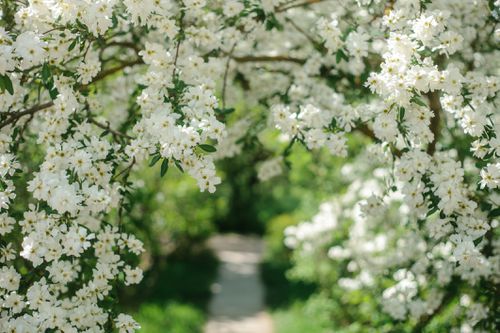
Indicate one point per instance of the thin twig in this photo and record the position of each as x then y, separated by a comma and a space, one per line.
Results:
295, 5
127, 169
176, 57
226, 71
317, 45
178, 46
129, 45
366, 131
113, 70
107, 127
268, 59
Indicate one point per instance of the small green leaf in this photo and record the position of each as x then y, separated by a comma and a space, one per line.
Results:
155, 159
272, 22
53, 93
207, 148
224, 111
333, 124
341, 55
46, 74
401, 114
6, 84
73, 44
114, 20
494, 213
164, 167
178, 165
432, 211
417, 100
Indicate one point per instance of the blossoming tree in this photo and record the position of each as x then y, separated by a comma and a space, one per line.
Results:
100, 87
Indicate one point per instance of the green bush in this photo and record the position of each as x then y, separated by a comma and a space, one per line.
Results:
172, 317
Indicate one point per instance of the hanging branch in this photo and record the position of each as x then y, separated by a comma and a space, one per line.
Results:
15, 116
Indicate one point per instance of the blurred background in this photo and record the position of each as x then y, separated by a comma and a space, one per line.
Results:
175, 221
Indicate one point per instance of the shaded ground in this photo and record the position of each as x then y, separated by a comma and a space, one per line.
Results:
237, 305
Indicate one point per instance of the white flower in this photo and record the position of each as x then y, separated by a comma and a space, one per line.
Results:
9, 279
126, 324
132, 275
14, 302
30, 48
232, 8
6, 224
490, 176
270, 168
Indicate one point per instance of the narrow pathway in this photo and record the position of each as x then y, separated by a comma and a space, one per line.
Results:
237, 305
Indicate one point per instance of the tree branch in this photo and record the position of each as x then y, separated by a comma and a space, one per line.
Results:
435, 126
113, 70
366, 131
15, 116
268, 59
108, 128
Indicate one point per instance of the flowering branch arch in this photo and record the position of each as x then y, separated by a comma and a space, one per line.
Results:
101, 86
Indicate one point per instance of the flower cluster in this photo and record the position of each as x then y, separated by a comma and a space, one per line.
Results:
310, 124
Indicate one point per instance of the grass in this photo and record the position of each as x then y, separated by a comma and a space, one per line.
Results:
170, 317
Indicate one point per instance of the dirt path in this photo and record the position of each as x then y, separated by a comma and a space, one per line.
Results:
237, 305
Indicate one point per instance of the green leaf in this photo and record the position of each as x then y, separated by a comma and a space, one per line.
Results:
272, 22
341, 55
155, 159
432, 211
494, 213
207, 148
73, 44
53, 93
178, 165
401, 114
6, 84
114, 20
224, 111
46, 74
417, 100
164, 167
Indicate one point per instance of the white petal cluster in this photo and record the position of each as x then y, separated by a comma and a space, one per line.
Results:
270, 169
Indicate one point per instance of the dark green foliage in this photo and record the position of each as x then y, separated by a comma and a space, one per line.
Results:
207, 148
6, 84
174, 295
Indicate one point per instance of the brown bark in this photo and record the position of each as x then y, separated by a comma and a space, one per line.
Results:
435, 126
